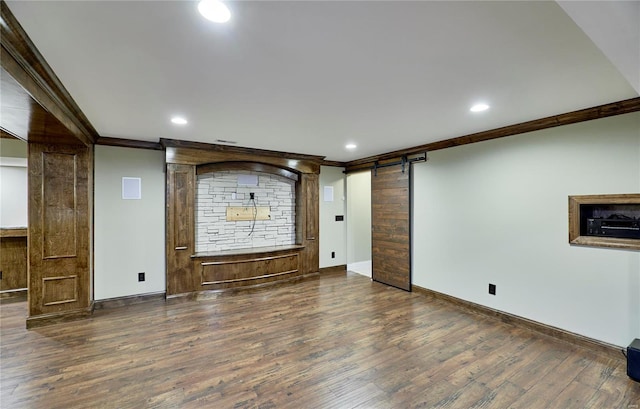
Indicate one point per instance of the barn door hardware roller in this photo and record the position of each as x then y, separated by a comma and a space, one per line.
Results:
404, 160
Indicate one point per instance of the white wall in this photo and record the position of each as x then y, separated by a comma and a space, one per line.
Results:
13, 148
333, 234
129, 234
13, 183
496, 212
13, 193
359, 222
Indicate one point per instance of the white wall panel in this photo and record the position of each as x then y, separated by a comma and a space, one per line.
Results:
129, 234
496, 212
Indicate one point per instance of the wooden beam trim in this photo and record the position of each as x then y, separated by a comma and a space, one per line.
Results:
44, 100
24, 53
613, 351
247, 166
198, 157
13, 232
6, 134
175, 143
334, 163
129, 143
588, 114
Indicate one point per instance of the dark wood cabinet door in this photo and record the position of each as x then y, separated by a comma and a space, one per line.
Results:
391, 226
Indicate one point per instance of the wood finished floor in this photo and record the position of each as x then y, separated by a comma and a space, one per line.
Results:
335, 341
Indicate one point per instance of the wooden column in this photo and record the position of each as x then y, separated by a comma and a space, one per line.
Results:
180, 236
308, 217
60, 232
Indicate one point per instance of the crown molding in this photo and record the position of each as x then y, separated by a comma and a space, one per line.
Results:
588, 114
129, 143
22, 60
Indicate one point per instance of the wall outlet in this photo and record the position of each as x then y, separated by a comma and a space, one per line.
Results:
141, 276
252, 196
333, 254
492, 289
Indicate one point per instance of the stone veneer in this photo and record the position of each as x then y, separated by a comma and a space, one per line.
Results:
215, 193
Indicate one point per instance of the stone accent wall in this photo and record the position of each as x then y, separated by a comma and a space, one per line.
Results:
216, 192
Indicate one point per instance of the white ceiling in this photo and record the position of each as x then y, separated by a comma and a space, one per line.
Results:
308, 77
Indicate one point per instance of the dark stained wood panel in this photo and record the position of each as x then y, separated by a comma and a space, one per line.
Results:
243, 270
334, 163
390, 226
186, 159
22, 117
312, 208
36, 107
192, 153
249, 166
13, 232
13, 261
60, 231
183, 186
330, 341
186, 151
59, 290
59, 236
309, 216
247, 267
180, 238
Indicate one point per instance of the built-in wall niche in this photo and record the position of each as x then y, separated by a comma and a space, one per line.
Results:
225, 197
243, 263
605, 220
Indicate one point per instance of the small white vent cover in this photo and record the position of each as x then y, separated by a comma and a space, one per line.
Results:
131, 188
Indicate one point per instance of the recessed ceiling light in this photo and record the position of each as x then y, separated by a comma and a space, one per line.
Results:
214, 10
479, 108
178, 120
351, 146
225, 141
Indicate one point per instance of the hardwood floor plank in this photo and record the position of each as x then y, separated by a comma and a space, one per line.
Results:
501, 397
617, 391
575, 396
331, 341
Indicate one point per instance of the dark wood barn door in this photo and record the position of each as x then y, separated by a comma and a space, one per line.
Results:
391, 226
